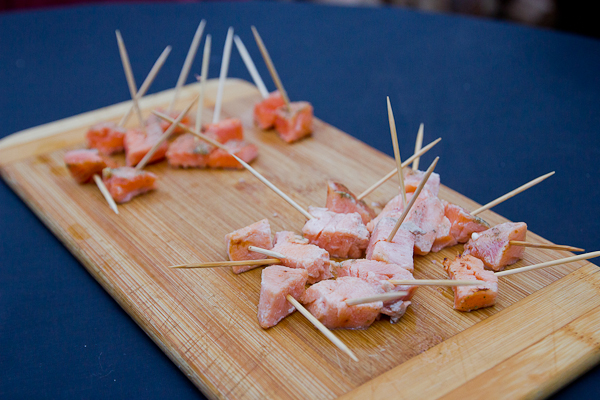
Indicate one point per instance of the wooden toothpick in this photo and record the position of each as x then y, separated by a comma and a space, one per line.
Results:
129, 75
413, 199
164, 137
266, 252
544, 246
204, 76
187, 64
396, 151
395, 170
378, 297
511, 194
567, 260
244, 164
418, 145
324, 330
271, 67
106, 193
217, 264
147, 82
433, 282
251, 67
223, 75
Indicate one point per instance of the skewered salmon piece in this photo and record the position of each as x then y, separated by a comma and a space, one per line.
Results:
342, 235
164, 125
257, 234
399, 251
296, 123
139, 142
493, 247
443, 236
220, 158
83, 164
124, 183
427, 214
377, 272
188, 151
463, 223
300, 254
341, 200
326, 300
468, 268
276, 283
264, 111
107, 137
225, 130
413, 178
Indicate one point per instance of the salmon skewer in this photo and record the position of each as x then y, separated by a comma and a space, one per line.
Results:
238, 243
277, 282
341, 200
466, 298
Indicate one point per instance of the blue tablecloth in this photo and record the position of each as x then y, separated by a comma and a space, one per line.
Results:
510, 102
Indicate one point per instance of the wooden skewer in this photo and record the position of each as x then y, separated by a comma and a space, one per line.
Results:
378, 297
164, 137
147, 82
204, 76
418, 145
396, 151
511, 194
544, 246
271, 67
187, 64
324, 330
567, 260
251, 67
413, 199
106, 193
395, 170
244, 164
266, 252
433, 282
216, 264
129, 76
223, 75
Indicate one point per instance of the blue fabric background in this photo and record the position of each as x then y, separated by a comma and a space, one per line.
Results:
510, 102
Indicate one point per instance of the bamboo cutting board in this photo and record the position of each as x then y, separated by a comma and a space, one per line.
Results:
541, 334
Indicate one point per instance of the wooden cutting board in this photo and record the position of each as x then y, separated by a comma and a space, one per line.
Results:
541, 334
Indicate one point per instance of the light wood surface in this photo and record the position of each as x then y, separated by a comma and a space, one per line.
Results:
541, 333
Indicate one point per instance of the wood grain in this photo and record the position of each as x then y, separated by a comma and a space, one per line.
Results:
205, 320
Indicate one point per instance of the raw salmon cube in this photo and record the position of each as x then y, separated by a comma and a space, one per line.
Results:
427, 214
139, 142
296, 123
341, 200
264, 111
223, 159
124, 183
493, 248
83, 164
276, 283
413, 178
463, 223
342, 235
326, 300
399, 251
164, 125
443, 236
258, 234
469, 268
302, 255
188, 151
107, 137
225, 130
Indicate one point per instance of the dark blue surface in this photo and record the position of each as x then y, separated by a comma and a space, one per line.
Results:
511, 103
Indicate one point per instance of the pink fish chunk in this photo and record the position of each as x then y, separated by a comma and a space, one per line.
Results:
300, 254
463, 223
412, 179
493, 248
326, 301
258, 234
468, 268
277, 282
444, 237
342, 235
341, 200
399, 251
